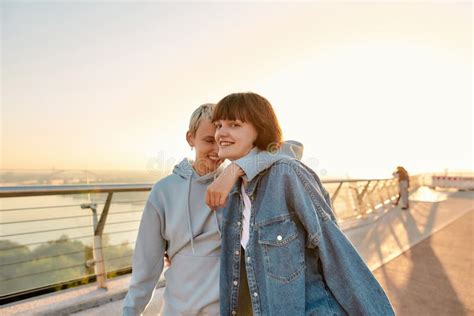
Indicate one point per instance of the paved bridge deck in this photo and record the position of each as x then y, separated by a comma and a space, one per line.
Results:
435, 277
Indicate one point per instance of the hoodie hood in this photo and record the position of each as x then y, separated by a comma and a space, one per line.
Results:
185, 170
292, 148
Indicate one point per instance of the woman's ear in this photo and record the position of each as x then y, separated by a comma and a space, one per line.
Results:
190, 139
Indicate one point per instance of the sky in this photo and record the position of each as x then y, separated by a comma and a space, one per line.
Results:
365, 86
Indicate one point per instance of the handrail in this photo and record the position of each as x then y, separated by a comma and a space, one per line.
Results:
39, 190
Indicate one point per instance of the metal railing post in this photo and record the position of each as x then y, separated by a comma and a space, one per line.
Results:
99, 259
390, 193
384, 195
387, 190
99, 266
370, 195
360, 200
380, 191
355, 193
98, 256
334, 196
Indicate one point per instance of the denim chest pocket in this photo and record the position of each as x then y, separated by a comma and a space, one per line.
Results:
282, 250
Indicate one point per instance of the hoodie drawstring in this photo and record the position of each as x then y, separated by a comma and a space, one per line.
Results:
217, 223
215, 215
189, 215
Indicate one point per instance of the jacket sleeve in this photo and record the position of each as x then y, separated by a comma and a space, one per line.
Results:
147, 262
346, 274
259, 160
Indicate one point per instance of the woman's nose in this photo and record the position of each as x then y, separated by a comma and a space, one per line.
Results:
221, 132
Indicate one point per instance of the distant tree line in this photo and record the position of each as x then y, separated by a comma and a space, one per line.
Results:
22, 268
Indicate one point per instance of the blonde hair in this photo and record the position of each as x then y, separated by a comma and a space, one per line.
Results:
203, 112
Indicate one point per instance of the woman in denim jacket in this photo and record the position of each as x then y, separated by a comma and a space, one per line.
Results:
282, 250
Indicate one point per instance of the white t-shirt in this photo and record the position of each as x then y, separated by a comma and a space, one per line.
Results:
244, 238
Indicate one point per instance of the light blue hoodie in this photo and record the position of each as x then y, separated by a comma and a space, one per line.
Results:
177, 220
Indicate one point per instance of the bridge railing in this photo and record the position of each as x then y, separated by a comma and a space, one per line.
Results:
356, 198
55, 237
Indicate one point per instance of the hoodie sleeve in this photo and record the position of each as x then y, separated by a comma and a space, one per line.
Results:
346, 274
147, 263
258, 160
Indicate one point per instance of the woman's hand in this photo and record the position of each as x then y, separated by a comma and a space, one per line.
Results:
219, 189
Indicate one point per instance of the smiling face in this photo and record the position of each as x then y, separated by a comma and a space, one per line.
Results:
243, 121
206, 159
234, 138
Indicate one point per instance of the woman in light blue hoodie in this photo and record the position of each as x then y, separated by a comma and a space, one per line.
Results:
177, 221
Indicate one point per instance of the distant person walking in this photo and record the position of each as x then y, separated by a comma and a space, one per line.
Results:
403, 184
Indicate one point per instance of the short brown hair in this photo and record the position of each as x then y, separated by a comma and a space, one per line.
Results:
255, 109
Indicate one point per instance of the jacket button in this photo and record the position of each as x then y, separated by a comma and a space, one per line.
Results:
235, 282
237, 252
234, 312
279, 237
238, 223
255, 294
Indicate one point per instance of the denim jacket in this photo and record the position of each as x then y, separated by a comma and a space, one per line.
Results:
298, 260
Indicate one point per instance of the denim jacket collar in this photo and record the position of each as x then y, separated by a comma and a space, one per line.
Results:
251, 186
